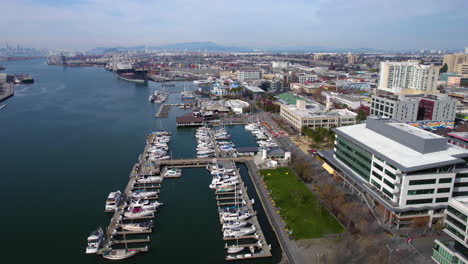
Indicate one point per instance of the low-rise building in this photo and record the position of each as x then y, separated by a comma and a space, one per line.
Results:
248, 74
351, 101
458, 138
304, 78
414, 108
407, 172
455, 248
312, 114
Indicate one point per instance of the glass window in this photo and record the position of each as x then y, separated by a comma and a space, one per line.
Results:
388, 193
378, 166
445, 180
424, 191
462, 175
389, 183
457, 213
442, 200
376, 184
375, 174
461, 184
455, 194
389, 173
443, 190
418, 201
455, 232
421, 182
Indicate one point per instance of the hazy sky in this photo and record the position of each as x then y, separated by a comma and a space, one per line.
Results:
387, 24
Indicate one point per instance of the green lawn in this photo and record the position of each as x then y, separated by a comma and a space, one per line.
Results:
302, 211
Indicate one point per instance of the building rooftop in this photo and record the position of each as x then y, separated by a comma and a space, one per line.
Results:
399, 151
288, 98
459, 135
316, 110
254, 89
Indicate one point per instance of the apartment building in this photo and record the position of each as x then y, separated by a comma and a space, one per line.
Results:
303, 78
408, 77
406, 172
411, 108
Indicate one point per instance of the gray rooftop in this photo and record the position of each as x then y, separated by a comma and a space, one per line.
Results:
406, 147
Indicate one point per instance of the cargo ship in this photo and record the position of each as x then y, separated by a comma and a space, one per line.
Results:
138, 76
23, 78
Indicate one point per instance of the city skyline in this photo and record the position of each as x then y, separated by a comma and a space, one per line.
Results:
85, 24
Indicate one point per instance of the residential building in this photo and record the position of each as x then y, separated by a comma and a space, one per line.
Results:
413, 108
404, 171
351, 58
453, 250
248, 74
303, 78
454, 81
280, 64
312, 114
408, 77
457, 63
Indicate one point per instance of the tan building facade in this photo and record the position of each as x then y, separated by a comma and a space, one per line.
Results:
314, 115
456, 63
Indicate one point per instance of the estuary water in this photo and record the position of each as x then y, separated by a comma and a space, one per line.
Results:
72, 137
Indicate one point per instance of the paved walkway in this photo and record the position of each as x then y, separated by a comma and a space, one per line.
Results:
290, 248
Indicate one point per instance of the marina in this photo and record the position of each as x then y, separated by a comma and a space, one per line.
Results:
126, 120
241, 212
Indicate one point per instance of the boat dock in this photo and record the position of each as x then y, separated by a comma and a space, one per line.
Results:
163, 111
240, 197
115, 234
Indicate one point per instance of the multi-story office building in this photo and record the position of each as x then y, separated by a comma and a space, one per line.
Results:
411, 108
405, 171
457, 63
314, 115
408, 77
249, 74
453, 250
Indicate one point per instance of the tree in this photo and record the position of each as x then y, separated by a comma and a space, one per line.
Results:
352, 212
361, 116
443, 69
265, 86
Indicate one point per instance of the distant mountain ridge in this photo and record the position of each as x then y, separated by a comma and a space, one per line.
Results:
214, 47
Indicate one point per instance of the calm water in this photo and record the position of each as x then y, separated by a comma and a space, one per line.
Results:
70, 139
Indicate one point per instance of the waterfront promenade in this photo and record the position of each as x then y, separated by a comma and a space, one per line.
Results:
289, 247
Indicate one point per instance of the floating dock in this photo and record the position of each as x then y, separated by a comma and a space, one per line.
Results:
238, 197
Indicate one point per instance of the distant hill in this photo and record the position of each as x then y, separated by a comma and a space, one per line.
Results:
214, 47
